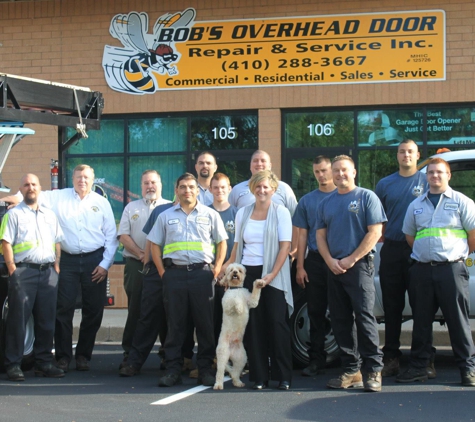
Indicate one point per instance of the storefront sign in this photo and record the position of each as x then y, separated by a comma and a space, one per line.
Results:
363, 48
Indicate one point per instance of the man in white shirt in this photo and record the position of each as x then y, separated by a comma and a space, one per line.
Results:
130, 234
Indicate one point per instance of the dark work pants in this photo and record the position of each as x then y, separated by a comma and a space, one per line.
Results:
75, 277
31, 291
189, 293
268, 333
152, 321
394, 279
133, 290
351, 298
444, 286
316, 291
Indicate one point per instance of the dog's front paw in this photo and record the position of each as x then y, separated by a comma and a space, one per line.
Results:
239, 384
259, 284
218, 386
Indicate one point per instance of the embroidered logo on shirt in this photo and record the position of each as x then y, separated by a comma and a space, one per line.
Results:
418, 190
451, 207
418, 211
94, 208
245, 192
229, 226
203, 220
354, 206
134, 217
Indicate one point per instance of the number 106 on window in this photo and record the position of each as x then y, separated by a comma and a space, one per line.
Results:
321, 129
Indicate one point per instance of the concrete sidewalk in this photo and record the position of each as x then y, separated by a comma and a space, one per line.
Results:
114, 321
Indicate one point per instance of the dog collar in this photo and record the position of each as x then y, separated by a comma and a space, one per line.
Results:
235, 287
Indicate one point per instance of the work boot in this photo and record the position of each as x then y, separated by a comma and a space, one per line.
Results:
128, 371
347, 380
373, 382
187, 365
82, 364
14, 373
48, 370
63, 364
431, 374
312, 370
194, 373
391, 367
468, 378
413, 374
170, 380
207, 379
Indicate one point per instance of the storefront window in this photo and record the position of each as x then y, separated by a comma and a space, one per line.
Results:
389, 127
170, 167
224, 132
157, 135
319, 129
110, 139
373, 165
451, 126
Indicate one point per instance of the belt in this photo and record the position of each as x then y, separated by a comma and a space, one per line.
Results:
190, 267
41, 267
84, 254
437, 263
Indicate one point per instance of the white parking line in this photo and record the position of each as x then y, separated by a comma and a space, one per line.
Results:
183, 394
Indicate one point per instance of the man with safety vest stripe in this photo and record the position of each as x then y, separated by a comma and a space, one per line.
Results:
440, 228
186, 239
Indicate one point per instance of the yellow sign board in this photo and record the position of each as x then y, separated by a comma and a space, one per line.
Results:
359, 48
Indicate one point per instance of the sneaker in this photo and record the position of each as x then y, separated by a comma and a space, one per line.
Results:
347, 380
412, 374
207, 379
128, 371
373, 382
82, 364
170, 380
312, 370
63, 364
48, 370
194, 373
431, 374
391, 367
14, 373
468, 378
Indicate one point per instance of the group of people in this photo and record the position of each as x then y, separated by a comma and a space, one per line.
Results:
61, 242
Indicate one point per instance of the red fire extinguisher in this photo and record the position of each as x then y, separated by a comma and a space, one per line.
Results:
54, 174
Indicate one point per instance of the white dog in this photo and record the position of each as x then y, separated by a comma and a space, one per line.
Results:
236, 304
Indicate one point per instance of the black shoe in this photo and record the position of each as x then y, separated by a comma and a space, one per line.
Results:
206, 379
128, 371
284, 385
14, 373
48, 370
124, 362
412, 374
63, 364
170, 380
82, 364
312, 370
259, 385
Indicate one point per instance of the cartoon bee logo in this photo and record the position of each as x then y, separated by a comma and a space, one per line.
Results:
417, 190
229, 226
134, 217
133, 69
94, 208
354, 206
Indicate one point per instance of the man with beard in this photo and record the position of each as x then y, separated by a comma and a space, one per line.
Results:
31, 237
205, 168
130, 234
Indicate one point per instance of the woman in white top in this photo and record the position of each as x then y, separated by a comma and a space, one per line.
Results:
262, 244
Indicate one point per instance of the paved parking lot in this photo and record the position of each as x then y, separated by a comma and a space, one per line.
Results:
101, 395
